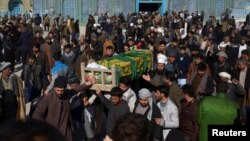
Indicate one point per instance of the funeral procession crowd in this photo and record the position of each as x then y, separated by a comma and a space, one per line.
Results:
200, 76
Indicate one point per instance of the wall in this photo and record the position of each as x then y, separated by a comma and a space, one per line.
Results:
215, 8
83, 8
4, 6
240, 9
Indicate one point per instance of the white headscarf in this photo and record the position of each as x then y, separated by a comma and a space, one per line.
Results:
145, 93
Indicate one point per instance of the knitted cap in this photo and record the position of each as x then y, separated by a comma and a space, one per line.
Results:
60, 82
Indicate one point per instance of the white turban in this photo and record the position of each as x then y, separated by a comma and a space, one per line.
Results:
223, 54
4, 65
160, 30
226, 75
161, 58
144, 93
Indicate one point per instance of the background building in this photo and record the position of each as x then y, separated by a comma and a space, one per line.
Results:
14, 7
80, 9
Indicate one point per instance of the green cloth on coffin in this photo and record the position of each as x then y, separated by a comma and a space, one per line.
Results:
143, 59
133, 63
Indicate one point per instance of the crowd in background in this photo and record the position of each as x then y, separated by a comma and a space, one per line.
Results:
200, 73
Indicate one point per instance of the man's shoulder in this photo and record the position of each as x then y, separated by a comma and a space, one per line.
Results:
42, 55
124, 105
171, 104
175, 88
49, 97
16, 77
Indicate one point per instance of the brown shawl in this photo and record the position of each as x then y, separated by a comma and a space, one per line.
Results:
202, 85
19, 91
21, 109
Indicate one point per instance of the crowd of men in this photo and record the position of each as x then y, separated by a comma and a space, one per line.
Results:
200, 75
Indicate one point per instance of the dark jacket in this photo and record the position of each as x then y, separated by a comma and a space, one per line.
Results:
25, 42
69, 60
236, 93
188, 120
114, 112
55, 46
156, 113
183, 65
32, 75
9, 49
43, 60
247, 79
216, 69
156, 78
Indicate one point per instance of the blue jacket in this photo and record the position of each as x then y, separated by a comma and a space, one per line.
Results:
59, 69
183, 66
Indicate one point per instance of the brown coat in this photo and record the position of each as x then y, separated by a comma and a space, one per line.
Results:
51, 61
175, 94
246, 101
21, 109
43, 59
192, 69
106, 44
56, 111
83, 58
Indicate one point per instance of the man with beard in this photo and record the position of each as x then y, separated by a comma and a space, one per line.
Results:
32, 76
89, 28
192, 69
78, 111
188, 115
175, 92
55, 45
155, 78
169, 111
242, 46
183, 62
12, 95
172, 65
192, 41
95, 48
145, 106
116, 106
41, 58
8, 48
202, 82
55, 107
235, 92
69, 58
128, 94
38, 39
161, 48
242, 74
173, 48
220, 66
